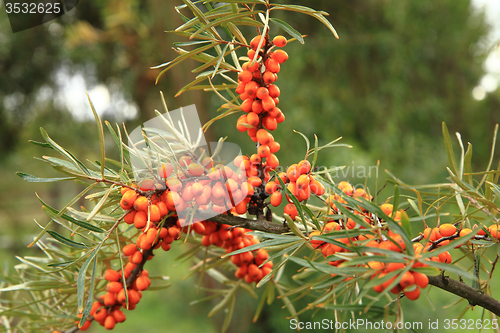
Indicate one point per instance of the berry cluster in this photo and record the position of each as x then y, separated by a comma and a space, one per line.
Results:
196, 185
260, 97
410, 282
232, 239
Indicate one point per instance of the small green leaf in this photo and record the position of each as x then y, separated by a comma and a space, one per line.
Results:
405, 223
185, 55
90, 299
395, 203
41, 144
66, 241
33, 179
315, 156
311, 12
308, 143
100, 130
100, 204
449, 149
289, 29
80, 281
71, 219
226, 18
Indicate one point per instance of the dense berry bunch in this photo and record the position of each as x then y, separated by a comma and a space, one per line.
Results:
410, 281
252, 265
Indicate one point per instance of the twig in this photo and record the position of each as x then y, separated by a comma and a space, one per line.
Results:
461, 289
259, 224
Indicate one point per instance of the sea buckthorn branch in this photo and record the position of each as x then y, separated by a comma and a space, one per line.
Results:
475, 297
258, 224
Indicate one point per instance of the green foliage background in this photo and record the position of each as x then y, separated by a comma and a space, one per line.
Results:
400, 68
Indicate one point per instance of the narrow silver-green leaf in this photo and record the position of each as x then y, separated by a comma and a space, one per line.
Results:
80, 281
100, 130
90, 300
67, 241
32, 179
288, 29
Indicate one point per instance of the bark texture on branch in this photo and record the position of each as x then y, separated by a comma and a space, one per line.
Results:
259, 224
461, 289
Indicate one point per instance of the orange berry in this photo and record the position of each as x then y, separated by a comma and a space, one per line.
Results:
239, 124
268, 104
447, 229
251, 55
254, 43
493, 229
412, 295
96, 305
377, 265
255, 159
303, 181
174, 184
292, 173
280, 56
128, 250
257, 106
140, 219
272, 66
142, 283
407, 280
85, 326
166, 170
109, 299
245, 76
251, 87
253, 119
274, 147
316, 187
262, 92
465, 232
254, 181
264, 151
420, 279
100, 315
141, 203
269, 77
129, 218
240, 89
394, 266
271, 187
274, 91
109, 322
195, 170
291, 210
128, 199
136, 258
427, 233
270, 123
304, 167
114, 287
241, 207
118, 315
276, 198
315, 243
481, 232
435, 235
272, 161
279, 41
445, 257
163, 208
264, 137
112, 275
